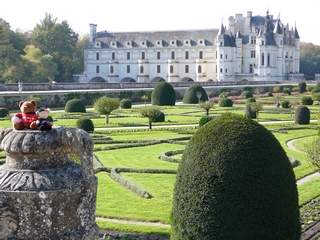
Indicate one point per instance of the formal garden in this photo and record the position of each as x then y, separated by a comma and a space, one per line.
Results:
139, 146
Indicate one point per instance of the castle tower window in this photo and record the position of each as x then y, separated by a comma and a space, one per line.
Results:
226, 56
97, 69
113, 56
221, 70
186, 68
226, 70
128, 68
251, 68
199, 69
111, 69
97, 56
187, 55
141, 69
253, 40
158, 68
262, 59
268, 60
253, 54
221, 44
158, 55
128, 55
216, 68
143, 55
221, 56
173, 55
200, 55
262, 43
171, 68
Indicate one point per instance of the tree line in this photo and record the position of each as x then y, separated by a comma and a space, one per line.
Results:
53, 51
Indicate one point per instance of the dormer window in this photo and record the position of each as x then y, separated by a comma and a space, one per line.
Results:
98, 44
159, 43
113, 44
201, 42
173, 42
143, 44
187, 42
129, 44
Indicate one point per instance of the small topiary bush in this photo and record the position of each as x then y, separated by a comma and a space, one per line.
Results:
75, 105
250, 113
235, 182
160, 117
251, 100
307, 100
85, 124
192, 95
4, 112
163, 94
247, 94
285, 104
278, 89
204, 120
302, 115
125, 104
225, 102
270, 94
302, 87
287, 91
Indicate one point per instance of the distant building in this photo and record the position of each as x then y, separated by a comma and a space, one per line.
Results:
250, 48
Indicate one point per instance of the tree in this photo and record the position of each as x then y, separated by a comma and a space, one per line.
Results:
105, 106
313, 152
255, 107
309, 59
302, 87
207, 105
151, 113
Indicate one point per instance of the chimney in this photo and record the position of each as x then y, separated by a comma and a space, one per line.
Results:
93, 31
249, 14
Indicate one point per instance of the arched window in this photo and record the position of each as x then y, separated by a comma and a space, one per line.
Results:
111, 69
97, 56
141, 69
171, 68
128, 68
268, 60
199, 69
128, 55
113, 56
200, 55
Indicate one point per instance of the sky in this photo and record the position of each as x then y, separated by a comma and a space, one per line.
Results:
150, 15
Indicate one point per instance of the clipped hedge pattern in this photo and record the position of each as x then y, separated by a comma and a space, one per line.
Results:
167, 156
235, 182
190, 96
4, 112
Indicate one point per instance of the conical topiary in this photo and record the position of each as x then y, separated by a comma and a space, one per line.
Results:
302, 115
163, 94
235, 182
194, 95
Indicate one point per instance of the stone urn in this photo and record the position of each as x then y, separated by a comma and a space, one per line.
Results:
47, 185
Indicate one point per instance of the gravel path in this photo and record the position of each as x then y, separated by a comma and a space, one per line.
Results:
132, 222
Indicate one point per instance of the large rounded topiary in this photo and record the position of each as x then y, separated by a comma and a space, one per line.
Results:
160, 117
163, 94
4, 112
85, 124
235, 182
302, 115
195, 94
247, 94
306, 100
125, 104
75, 105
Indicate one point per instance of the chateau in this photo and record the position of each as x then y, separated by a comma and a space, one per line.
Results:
254, 48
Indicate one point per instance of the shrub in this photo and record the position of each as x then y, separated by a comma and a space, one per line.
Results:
195, 94
75, 105
285, 104
270, 94
310, 88
207, 105
105, 106
247, 94
151, 113
4, 112
251, 100
204, 120
287, 91
125, 104
250, 113
278, 89
85, 124
316, 97
160, 117
163, 94
316, 89
302, 115
307, 100
235, 182
225, 102
302, 87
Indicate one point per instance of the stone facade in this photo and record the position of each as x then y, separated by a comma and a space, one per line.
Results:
250, 48
43, 193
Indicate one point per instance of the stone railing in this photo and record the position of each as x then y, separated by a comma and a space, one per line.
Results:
44, 193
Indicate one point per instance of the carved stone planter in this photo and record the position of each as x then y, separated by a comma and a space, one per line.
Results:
43, 193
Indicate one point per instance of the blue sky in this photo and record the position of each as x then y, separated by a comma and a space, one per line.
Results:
133, 15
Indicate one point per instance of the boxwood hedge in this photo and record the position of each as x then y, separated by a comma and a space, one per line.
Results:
195, 94
235, 182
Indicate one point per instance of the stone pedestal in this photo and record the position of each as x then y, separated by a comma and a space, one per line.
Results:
44, 193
